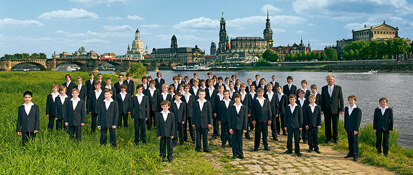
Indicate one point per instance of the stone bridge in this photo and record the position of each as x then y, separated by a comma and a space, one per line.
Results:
86, 65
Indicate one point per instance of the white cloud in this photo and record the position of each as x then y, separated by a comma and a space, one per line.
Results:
200, 23
124, 28
69, 14
278, 20
113, 18
108, 34
134, 17
16, 22
91, 2
272, 9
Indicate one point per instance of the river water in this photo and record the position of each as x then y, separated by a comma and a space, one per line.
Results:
368, 88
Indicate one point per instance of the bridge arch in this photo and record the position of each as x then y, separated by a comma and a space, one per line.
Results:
83, 66
40, 66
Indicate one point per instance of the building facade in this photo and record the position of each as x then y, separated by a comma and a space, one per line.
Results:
294, 49
81, 53
180, 55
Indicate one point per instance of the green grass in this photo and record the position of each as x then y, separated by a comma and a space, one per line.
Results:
400, 159
53, 152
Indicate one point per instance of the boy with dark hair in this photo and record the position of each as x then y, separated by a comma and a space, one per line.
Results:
352, 119
293, 123
166, 130
383, 125
28, 118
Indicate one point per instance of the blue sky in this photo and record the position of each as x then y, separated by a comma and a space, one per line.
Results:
108, 25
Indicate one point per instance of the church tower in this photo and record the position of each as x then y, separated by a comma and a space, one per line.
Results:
268, 33
222, 36
213, 49
137, 44
174, 44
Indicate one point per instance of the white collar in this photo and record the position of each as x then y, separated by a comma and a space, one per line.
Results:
123, 93
110, 100
30, 104
383, 108
140, 95
355, 106
294, 105
180, 101
258, 98
312, 105
202, 101
280, 94
240, 104
165, 113
77, 100
65, 96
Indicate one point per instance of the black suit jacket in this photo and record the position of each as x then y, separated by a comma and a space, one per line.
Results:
293, 119
317, 99
383, 122
352, 122
140, 110
180, 114
224, 113
124, 105
288, 92
51, 108
307, 93
255, 83
131, 87
312, 119
195, 94
246, 102
117, 87
90, 87
202, 118
282, 104
77, 116
102, 84
158, 84
160, 99
69, 88
212, 98
153, 100
333, 104
83, 92
28, 122
274, 86
261, 114
165, 128
306, 103
176, 87
273, 104
61, 107
94, 102
189, 105
108, 117
239, 120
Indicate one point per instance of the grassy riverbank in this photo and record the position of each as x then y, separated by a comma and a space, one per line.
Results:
400, 159
53, 152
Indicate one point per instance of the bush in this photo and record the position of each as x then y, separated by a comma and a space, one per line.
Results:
138, 70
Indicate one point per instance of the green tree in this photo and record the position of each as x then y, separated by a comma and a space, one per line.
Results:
323, 56
270, 56
331, 54
138, 70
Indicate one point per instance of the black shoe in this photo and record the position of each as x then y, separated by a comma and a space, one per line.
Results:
348, 156
266, 148
299, 154
309, 150
355, 159
223, 146
248, 137
288, 152
197, 150
241, 157
317, 151
207, 150
234, 157
378, 151
214, 137
275, 139
170, 160
255, 149
386, 154
284, 134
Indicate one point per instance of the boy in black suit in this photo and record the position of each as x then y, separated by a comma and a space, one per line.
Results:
159, 81
75, 115
145, 83
118, 84
252, 95
175, 83
90, 86
272, 98
202, 115
304, 88
224, 115
289, 88
293, 125
303, 102
211, 94
246, 102
352, 119
61, 101
28, 118
164, 95
108, 118
124, 102
215, 101
166, 130
110, 87
131, 85
312, 122
261, 117
51, 108
195, 88
257, 81
96, 97
152, 92
282, 103
82, 89
189, 100
383, 125
102, 83
238, 124
69, 85
179, 110
140, 113
315, 93
274, 83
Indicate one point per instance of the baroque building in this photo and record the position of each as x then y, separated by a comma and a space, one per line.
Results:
294, 49
81, 53
136, 53
180, 55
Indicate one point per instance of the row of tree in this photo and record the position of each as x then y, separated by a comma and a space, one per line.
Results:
25, 56
329, 54
363, 50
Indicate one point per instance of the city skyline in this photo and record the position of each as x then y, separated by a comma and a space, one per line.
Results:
109, 25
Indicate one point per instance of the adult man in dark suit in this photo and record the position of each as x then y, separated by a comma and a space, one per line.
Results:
131, 85
332, 105
159, 81
69, 85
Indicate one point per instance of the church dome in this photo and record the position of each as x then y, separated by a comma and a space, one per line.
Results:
82, 50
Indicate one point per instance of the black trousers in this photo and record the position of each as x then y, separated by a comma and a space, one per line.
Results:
75, 130
313, 138
166, 145
103, 136
188, 125
94, 122
26, 136
237, 143
274, 127
353, 143
261, 128
250, 124
151, 120
304, 133
179, 134
225, 135
51, 122
280, 123
140, 130
59, 124
123, 117
247, 134
201, 132
216, 126
382, 136
296, 133
328, 118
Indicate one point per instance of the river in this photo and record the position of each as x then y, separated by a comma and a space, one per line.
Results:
368, 88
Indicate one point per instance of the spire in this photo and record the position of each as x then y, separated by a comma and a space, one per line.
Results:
268, 16
137, 30
384, 21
